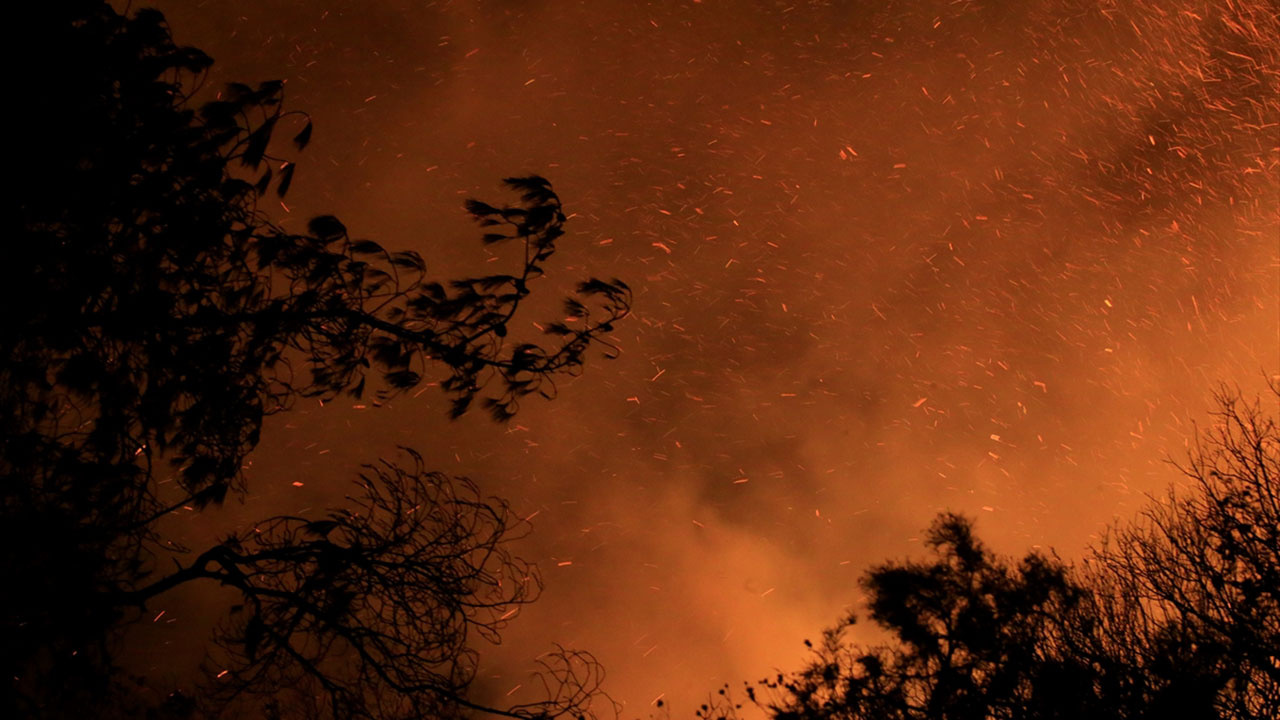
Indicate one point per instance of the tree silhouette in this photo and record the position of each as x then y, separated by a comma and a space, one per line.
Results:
1191, 589
155, 315
1175, 615
973, 636
368, 612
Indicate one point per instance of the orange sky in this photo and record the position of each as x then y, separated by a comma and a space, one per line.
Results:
982, 256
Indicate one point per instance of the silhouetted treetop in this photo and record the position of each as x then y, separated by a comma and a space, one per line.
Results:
166, 315
973, 636
371, 611
155, 314
1191, 588
1176, 615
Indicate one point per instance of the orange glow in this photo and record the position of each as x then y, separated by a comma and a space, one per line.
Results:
889, 259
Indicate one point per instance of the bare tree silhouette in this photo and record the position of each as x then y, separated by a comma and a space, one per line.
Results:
1192, 587
370, 612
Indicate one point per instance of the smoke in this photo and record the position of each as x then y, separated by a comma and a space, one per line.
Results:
988, 257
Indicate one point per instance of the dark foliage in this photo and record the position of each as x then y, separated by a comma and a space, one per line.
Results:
154, 315
973, 636
1175, 616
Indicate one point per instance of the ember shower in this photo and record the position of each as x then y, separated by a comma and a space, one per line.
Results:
890, 258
